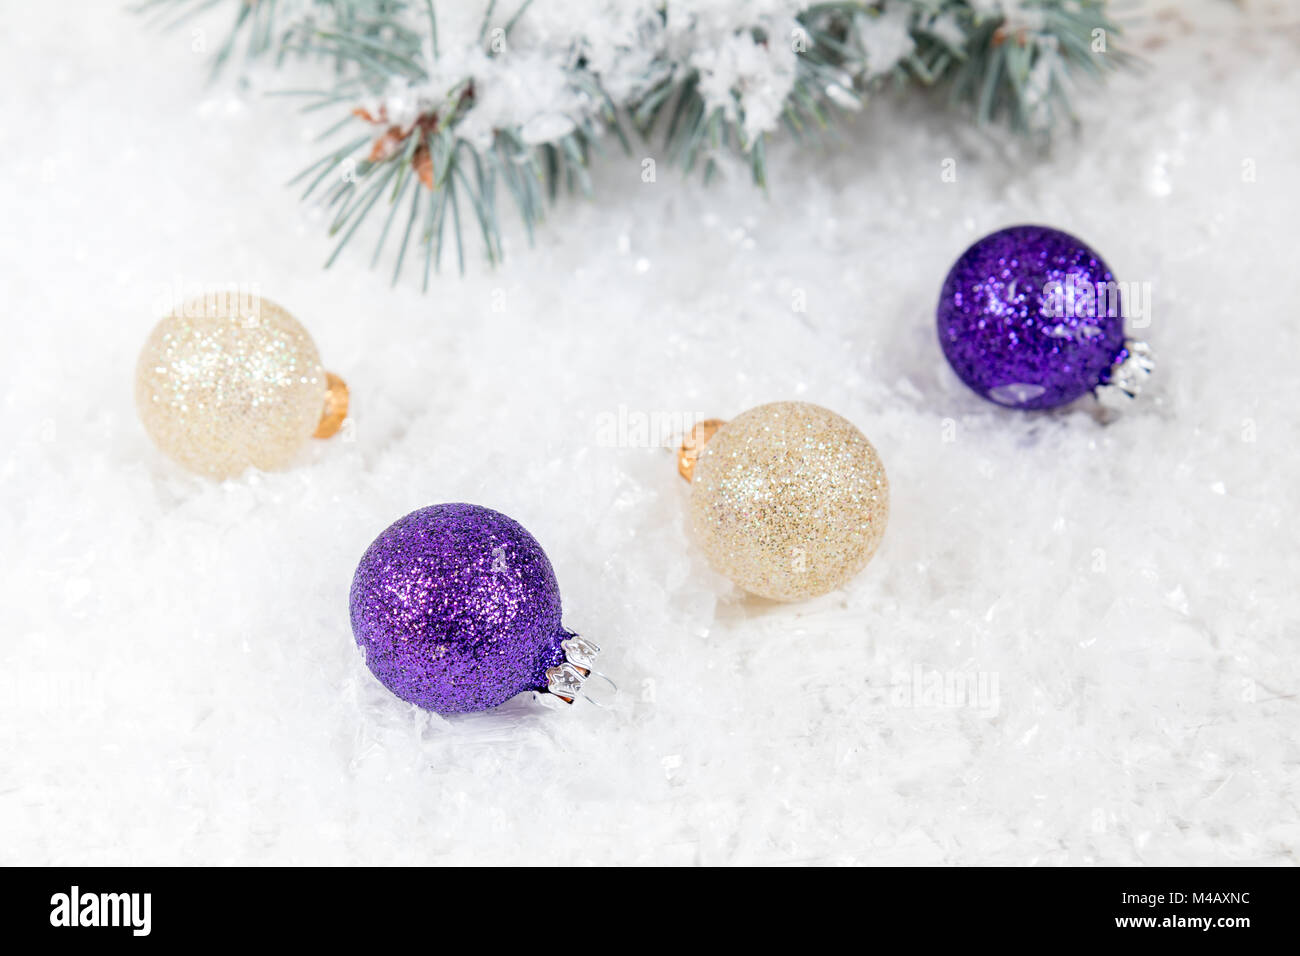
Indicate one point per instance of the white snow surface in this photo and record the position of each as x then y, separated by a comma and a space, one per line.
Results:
178, 679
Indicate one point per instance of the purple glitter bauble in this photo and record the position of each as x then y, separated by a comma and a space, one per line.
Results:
457, 609
1030, 317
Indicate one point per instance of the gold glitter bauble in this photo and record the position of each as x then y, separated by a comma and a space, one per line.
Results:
230, 382
789, 500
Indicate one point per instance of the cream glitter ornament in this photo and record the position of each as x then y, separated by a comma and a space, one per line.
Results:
228, 382
789, 500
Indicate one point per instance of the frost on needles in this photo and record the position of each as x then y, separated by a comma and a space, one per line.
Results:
444, 111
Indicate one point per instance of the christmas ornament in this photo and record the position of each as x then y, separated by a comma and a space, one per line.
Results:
457, 609
1031, 317
789, 500
225, 383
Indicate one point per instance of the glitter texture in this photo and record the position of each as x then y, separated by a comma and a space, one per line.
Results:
789, 500
229, 382
457, 609
1021, 322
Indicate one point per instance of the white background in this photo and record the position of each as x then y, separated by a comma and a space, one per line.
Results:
178, 680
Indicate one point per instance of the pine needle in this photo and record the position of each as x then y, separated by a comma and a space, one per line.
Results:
993, 68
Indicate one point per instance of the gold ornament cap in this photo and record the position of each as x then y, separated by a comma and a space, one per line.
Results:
693, 445
788, 500
336, 407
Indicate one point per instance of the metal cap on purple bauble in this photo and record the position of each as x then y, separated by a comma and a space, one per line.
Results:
1032, 317
457, 609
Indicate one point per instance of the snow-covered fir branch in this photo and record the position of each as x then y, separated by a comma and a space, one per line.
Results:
448, 107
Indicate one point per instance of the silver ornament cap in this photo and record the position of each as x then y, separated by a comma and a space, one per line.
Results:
1128, 376
572, 680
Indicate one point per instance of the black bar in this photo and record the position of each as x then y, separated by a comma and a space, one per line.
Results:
1217, 906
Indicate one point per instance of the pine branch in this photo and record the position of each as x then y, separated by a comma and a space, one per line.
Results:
430, 129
